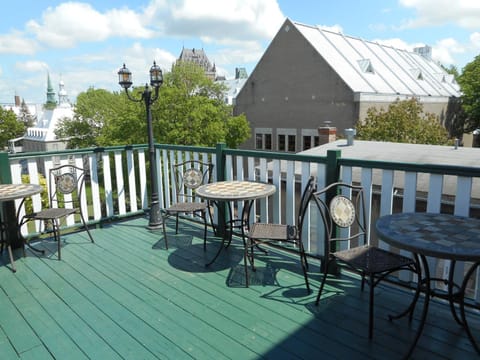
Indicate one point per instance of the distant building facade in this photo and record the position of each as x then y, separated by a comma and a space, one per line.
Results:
310, 77
41, 137
234, 85
198, 57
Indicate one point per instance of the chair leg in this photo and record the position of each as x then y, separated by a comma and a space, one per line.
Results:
323, 283
245, 264
303, 261
86, 227
370, 310
204, 215
164, 219
10, 254
176, 223
56, 236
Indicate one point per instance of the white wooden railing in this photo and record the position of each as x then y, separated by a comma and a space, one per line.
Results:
118, 185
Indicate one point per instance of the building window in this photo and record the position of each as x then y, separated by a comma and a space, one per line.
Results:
268, 141
281, 142
310, 138
292, 143
287, 139
307, 142
259, 141
263, 139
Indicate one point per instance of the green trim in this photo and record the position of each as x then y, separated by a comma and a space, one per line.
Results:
333, 166
5, 173
413, 167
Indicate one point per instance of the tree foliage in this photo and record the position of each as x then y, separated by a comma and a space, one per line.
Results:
469, 82
25, 116
404, 122
189, 111
10, 127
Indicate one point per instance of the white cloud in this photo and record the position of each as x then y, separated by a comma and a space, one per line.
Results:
17, 43
72, 22
475, 41
443, 51
218, 19
463, 13
335, 28
397, 43
32, 66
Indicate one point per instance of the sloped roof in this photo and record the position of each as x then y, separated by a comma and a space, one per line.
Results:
371, 68
405, 153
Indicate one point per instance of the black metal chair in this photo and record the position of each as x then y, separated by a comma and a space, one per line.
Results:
342, 206
66, 186
189, 175
281, 235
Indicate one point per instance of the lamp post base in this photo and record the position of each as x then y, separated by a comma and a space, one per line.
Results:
156, 221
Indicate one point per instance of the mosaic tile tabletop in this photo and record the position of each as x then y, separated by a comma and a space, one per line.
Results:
440, 235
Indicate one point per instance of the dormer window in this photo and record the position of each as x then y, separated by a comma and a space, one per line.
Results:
417, 74
366, 66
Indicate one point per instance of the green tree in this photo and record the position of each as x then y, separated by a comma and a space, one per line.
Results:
189, 111
452, 70
24, 115
10, 127
404, 122
94, 109
469, 82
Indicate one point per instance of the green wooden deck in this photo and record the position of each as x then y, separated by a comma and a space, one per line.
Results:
126, 297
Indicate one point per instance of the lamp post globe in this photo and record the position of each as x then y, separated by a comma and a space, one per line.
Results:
156, 80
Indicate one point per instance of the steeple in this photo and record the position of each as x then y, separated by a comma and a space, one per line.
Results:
62, 95
51, 103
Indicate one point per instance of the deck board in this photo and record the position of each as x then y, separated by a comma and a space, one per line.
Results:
127, 297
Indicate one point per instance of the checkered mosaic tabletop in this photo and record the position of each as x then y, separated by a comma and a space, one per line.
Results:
18, 191
235, 190
440, 235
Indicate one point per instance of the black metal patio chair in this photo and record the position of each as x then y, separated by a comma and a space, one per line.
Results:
189, 175
66, 186
281, 235
342, 206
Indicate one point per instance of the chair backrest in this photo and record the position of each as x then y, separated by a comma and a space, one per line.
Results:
342, 206
307, 195
189, 175
66, 186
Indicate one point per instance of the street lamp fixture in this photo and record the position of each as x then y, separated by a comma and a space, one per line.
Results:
156, 80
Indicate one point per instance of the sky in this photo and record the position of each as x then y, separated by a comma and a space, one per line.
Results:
84, 43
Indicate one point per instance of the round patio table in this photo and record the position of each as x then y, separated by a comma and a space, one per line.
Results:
9, 192
228, 192
444, 236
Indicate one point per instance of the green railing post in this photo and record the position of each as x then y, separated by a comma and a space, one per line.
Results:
8, 213
5, 174
221, 174
333, 169
332, 175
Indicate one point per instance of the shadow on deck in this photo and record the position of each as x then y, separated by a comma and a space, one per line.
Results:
126, 297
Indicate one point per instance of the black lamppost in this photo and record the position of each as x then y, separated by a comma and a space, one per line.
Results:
156, 80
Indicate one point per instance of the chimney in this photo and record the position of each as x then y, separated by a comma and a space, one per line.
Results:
350, 134
326, 134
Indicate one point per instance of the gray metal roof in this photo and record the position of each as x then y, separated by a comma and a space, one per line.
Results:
371, 68
401, 152
405, 153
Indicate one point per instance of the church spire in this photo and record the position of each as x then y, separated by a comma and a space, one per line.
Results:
51, 103
62, 95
